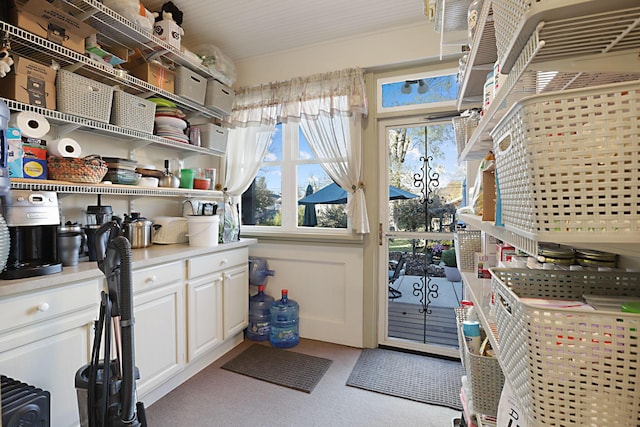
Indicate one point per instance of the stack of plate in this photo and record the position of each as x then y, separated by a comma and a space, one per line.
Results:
169, 120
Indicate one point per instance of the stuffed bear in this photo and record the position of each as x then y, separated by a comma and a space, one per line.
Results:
5, 62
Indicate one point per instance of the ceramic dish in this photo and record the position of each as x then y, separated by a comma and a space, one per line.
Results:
171, 121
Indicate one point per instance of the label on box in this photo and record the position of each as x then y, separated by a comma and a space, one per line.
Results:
34, 168
169, 32
22, 65
14, 153
34, 148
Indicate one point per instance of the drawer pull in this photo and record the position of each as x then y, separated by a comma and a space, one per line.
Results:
227, 276
224, 261
152, 279
43, 307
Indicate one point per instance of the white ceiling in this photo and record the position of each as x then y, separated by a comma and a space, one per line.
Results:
244, 29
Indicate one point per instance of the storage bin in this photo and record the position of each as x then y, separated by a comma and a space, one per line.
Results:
567, 163
83, 97
190, 85
483, 372
213, 137
132, 112
569, 366
467, 243
219, 97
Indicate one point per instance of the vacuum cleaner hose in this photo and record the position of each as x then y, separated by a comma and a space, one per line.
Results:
123, 247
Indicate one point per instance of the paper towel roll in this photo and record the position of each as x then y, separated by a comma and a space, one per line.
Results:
65, 147
31, 125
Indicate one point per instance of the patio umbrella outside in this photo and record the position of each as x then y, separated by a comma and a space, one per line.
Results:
332, 194
309, 218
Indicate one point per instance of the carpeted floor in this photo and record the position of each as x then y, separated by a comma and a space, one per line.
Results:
217, 397
279, 366
411, 376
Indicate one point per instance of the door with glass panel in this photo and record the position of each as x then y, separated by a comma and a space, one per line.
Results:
422, 190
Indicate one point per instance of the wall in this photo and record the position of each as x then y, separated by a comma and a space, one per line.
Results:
412, 44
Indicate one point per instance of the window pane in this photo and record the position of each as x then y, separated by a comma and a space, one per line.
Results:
274, 153
329, 209
304, 151
423, 161
262, 202
419, 91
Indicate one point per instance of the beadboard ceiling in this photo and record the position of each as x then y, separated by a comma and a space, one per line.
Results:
243, 29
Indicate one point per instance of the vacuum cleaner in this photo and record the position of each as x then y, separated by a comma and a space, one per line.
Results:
106, 388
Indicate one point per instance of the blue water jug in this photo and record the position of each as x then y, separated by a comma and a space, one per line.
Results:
259, 316
284, 322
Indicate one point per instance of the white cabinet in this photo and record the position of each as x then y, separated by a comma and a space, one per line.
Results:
45, 337
235, 300
204, 302
159, 332
218, 290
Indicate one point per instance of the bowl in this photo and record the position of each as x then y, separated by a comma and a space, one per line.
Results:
201, 183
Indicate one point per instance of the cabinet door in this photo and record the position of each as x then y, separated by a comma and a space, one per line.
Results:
159, 335
49, 357
204, 303
235, 298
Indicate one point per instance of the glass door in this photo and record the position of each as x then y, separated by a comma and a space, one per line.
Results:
423, 188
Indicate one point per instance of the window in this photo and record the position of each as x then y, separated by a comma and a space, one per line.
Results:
410, 92
289, 173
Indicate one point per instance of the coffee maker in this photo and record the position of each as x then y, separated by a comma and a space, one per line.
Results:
33, 218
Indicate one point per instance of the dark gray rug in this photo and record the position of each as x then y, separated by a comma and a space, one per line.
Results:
410, 376
278, 366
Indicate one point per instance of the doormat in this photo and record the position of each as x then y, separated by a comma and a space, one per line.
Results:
278, 366
416, 377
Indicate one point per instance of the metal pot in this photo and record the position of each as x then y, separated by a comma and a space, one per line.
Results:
138, 230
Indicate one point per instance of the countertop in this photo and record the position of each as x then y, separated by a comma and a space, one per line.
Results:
86, 270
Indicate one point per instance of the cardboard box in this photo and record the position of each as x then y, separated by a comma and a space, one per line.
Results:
14, 153
169, 32
29, 90
488, 243
483, 264
47, 21
34, 162
154, 74
489, 195
36, 70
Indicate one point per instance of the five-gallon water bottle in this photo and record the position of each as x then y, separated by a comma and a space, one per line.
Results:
284, 322
259, 316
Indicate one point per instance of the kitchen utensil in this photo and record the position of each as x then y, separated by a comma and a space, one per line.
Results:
138, 230
168, 179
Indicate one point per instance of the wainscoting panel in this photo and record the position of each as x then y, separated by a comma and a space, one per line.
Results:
327, 282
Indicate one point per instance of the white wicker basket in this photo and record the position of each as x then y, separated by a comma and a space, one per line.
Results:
483, 372
567, 163
83, 97
569, 366
467, 243
132, 112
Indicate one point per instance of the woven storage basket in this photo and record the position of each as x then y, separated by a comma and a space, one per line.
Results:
467, 243
83, 97
132, 112
483, 372
90, 169
568, 165
569, 366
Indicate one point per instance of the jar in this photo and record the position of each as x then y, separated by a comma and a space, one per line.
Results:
473, 15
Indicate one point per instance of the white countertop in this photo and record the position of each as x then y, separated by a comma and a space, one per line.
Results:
143, 257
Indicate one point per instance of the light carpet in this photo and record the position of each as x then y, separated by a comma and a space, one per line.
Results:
416, 377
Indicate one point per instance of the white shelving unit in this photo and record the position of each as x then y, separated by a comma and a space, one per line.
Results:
124, 33
547, 46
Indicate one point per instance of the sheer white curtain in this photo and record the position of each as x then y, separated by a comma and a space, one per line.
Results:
329, 106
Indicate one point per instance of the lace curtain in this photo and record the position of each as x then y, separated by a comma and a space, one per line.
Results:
329, 107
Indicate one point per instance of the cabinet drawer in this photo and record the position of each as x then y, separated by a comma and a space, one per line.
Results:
206, 264
153, 277
34, 307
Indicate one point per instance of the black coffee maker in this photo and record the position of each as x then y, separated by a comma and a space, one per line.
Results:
33, 218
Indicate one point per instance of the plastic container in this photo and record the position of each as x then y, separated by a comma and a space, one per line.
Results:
284, 322
203, 230
186, 178
259, 316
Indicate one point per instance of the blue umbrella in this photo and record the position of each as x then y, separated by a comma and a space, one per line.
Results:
333, 194
309, 219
